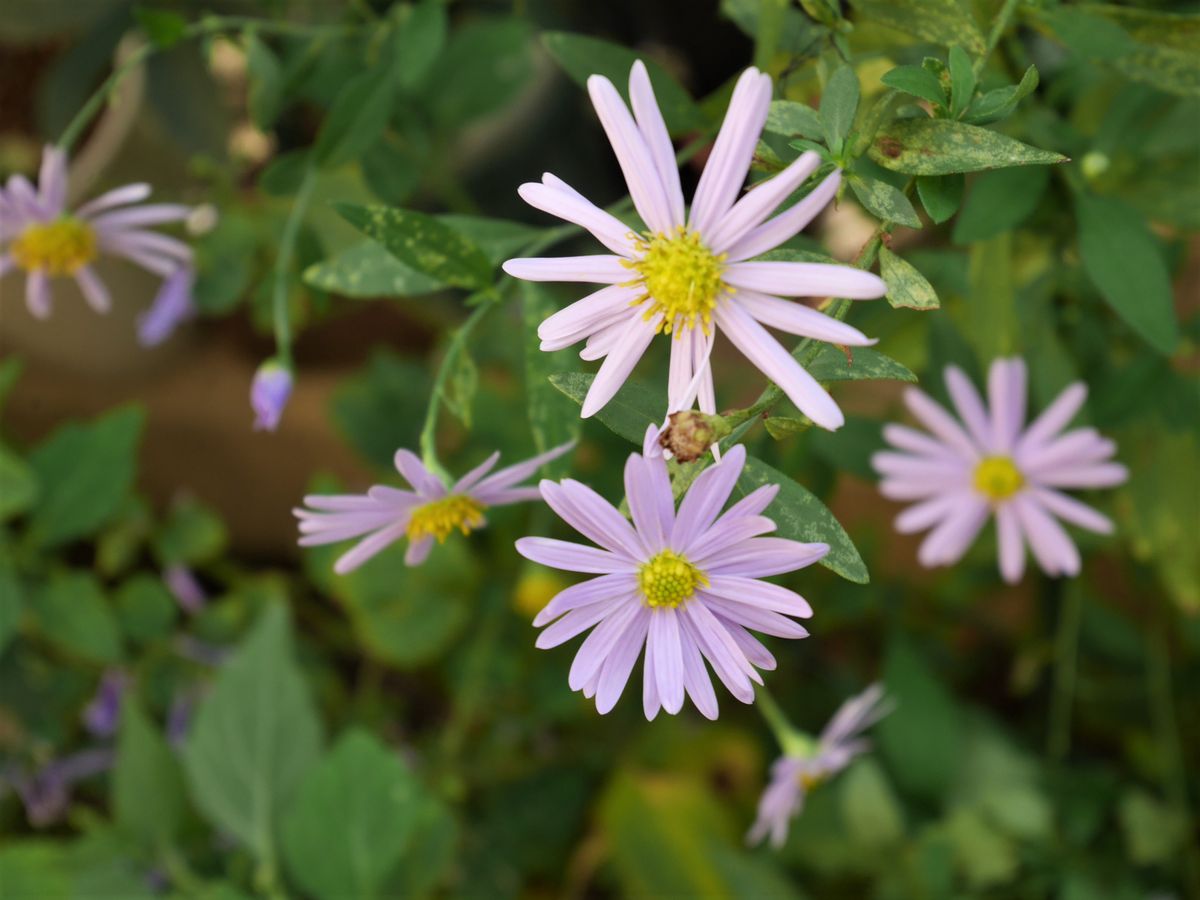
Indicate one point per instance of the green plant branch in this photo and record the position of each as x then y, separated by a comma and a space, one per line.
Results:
283, 263
1066, 661
792, 741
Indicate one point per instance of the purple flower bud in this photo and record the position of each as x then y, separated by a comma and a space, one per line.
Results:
103, 714
187, 590
269, 394
172, 306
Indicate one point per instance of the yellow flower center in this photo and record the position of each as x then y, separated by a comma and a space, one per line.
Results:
810, 780
668, 579
61, 247
439, 518
682, 278
998, 478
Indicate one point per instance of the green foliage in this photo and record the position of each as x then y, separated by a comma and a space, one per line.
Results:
552, 417
71, 610
884, 201
839, 103
999, 201
147, 783
906, 287
942, 147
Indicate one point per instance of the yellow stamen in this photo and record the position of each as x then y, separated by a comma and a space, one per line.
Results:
61, 247
810, 780
439, 518
998, 478
682, 278
669, 579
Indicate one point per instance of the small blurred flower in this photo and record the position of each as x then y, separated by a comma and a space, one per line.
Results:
102, 716
269, 393
46, 794
535, 588
201, 220
689, 274
41, 236
181, 581
804, 767
960, 476
685, 585
172, 306
427, 512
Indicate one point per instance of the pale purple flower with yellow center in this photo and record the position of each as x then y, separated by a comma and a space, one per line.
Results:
269, 393
990, 463
430, 511
692, 273
809, 763
45, 239
684, 584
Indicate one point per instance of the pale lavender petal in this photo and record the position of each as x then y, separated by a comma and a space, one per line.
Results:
269, 393
679, 373
37, 293
621, 659
1054, 418
52, 179
722, 652
593, 517
93, 289
570, 557
584, 317
598, 269
706, 394
1071, 510
695, 675
1101, 475
914, 441
758, 655
1075, 448
141, 216
752, 504
172, 306
803, 279
969, 405
761, 620
762, 556
934, 417
509, 496
23, 195
569, 206
339, 502
796, 318
654, 132
651, 703
7, 264
368, 547
929, 512
601, 342
620, 362
160, 265
424, 482
949, 541
148, 242
910, 488
668, 658
787, 224
473, 477
727, 531
579, 620
760, 201
761, 594
418, 551
597, 646
856, 715
900, 465
1052, 547
766, 353
1009, 544
122, 196
510, 475
707, 497
606, 587
1006, 397
643, 491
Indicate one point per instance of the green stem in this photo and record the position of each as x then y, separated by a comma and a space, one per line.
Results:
283, 264
1066, 662
792, 741
999, 24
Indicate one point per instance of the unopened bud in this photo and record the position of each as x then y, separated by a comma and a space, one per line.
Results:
689, 434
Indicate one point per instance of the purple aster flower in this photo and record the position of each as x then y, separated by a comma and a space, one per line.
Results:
991, 464
172, 306
690, 272
47, 793
808, 764
181, 581
269, 393
684, 584
430, 510
39, 235
103, 714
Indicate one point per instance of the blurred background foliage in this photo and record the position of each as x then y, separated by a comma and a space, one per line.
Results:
190, 707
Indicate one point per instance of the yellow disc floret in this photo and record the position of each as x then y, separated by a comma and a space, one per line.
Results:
668, 579
61, 247
439, 518
682, 278
998, 478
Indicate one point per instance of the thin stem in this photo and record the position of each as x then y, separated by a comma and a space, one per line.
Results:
283, 264
96, 102
1066, 663
792, 741
999, 24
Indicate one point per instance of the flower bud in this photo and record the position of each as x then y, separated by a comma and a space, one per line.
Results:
691, 433
269, 394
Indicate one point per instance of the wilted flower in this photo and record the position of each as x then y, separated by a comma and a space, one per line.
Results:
959, 475
102, 716
687, 275
685, 584
802, 767
41, 236
181, 581
269, 393
429, 511
688, 433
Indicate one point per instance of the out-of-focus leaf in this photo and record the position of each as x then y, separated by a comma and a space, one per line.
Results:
800, 516
163, 27
873, 815
10, 371
1164, 53
458, 392
1124, 260
225, 262
145, 608
147, 783
999, 103
991, 318
1000, 201
485, 65
941, 194
986, 857
192, 534
962, 81
254, 737
945, 22
884, 201
832, 364
11, 602
18, 484
423, 243
352, 816
628, 413
420, 37
265, 75
943, 147
379, 409
71, 611
906, 287
497, 238
1153, 832
368, 270
358, 117
850, 448
283, 175
553, 418
393, 167
839, 103
792, 119
1087, 34
917, 81
84, 473
582, 56
430, 850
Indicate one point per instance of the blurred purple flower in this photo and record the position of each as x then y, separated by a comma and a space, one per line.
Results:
46, 794
41, 236
991, 464
179, 717
685, 585
269, 393
181, 581
172, 306
102, 716
427, 512
797, 772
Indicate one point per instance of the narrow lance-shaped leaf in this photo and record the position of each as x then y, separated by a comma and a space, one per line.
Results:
839, 103
942, 147
917, 81
793, 119
945, 22
906, 287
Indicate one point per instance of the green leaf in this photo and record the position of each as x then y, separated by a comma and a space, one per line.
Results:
582, 56
379, 409
863, 363
254, 738
11, 603
917, 81
351, 819
497, 238
999, 202
628, 413
962, 81
553, 418
265, 96
906, 287
839, 103
1153, 830
73, 614
145, 608
10, 371
163, 28
283, 175
486, 64
942, 194
1092, 36
884, 201
792, 119
1000, 103
193, 534
873, 815
85, 473
1124, 260
991, 324
358, 117
781, 427
1165, 47
147, 784
458, 392
800, 516
420, 37
942, 147
986, 857
18, 484
430, 850
850, 448
945, 22
367, 270
422, 243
